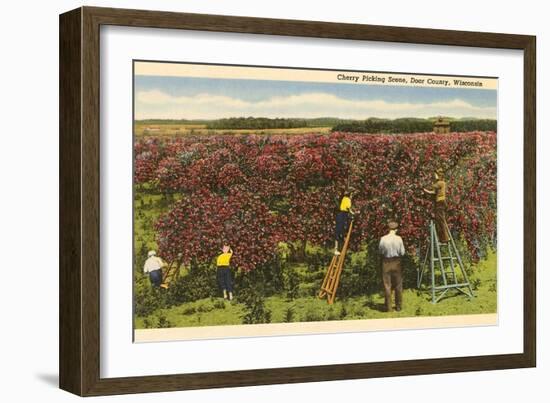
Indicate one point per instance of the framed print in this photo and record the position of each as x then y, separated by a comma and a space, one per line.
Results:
250, 201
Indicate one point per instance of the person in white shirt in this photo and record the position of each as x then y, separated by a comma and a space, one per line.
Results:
391, 249
153, 266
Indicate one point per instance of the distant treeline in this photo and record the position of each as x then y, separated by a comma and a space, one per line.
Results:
173, 121
371, 125
412, 125
269, 123
484, 125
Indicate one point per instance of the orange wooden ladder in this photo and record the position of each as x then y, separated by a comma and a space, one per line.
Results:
170, 273
334, 271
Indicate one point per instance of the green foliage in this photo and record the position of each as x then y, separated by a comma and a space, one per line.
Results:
270, 123
289, 315
412, 125
375, 125
332, 314
247, 122
283, 251
148, 323
361, 275
140, 256
292, 283
147, 300
317, 259
256, 310
343, 312
255, 123
313, 315
483, 125
189, 310
163, 322
251, 295
267, 279
409, 267
200, 282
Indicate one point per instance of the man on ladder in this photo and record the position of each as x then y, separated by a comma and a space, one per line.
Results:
452, 274
343, 219
344, 225
439, 190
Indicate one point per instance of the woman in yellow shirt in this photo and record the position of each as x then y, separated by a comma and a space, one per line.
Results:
343, 218
224, 272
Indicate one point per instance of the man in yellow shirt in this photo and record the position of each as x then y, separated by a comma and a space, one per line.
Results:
224, 272
439, 192
343, 218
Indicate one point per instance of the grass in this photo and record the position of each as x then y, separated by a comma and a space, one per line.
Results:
148, 208
216, 311
205, 312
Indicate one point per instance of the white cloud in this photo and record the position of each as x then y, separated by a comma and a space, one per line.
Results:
158, 104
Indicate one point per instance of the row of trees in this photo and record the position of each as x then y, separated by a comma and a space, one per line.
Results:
371, 125
412, 125
255, 192
270, 123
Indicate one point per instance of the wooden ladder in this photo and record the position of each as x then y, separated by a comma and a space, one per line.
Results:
334, 271
170, 273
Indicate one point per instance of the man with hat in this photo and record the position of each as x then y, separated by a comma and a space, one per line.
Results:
153, 266
439, 192
391, 249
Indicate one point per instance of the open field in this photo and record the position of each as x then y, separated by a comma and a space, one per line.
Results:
216, 311
176, 130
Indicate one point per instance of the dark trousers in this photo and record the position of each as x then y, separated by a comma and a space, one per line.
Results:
224, 278
392, 279
155, 277
342, 224
441, 221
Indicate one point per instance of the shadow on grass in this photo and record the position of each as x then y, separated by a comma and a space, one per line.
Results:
376, 306
454, 294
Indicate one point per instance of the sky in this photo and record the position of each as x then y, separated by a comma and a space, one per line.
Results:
159, 97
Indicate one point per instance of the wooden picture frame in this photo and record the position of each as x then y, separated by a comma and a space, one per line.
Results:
79, 347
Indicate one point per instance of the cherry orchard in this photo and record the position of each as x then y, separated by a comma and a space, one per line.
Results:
255, 191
